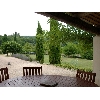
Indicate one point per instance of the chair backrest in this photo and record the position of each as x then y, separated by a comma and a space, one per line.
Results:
32, 71
4, 74
88, 76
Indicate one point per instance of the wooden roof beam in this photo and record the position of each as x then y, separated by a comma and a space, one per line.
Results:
76, 22
79, 14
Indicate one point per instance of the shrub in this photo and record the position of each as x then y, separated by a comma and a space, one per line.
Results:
69, 66
21, 56
0, 51
54, 54
70, 49
30, 58
11, 47
87, 55
26, 57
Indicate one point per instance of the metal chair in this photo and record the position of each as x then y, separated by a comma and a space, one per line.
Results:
32, 71
4, 74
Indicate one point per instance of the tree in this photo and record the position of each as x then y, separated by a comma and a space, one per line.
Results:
5, 39
15, 36
0, 40
11, 47
83, 39
46, 42
88, 54
39, 44
70, 49
27, 48
54, 42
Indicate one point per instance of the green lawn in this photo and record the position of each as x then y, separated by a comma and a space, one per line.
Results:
77, 62
46, 58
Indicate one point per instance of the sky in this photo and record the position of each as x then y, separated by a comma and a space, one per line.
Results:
20, 18
19, 15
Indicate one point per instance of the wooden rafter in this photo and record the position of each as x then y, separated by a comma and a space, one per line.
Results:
74, 21
79, 14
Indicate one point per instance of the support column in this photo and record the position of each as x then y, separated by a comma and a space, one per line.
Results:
96, 58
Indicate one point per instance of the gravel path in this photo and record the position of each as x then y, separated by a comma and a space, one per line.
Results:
16, 67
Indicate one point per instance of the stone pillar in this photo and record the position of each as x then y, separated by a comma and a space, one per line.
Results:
96, 58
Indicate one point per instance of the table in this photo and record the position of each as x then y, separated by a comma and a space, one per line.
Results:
34, 81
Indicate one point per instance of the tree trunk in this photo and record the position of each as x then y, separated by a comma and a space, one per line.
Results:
7, 53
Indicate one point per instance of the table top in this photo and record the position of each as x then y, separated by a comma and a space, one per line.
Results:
46, 81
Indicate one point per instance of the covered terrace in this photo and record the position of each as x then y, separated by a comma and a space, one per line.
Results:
88, 21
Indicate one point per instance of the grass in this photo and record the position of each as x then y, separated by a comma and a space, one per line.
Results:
76, 62
69, 62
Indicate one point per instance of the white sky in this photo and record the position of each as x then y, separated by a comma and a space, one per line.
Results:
20, 17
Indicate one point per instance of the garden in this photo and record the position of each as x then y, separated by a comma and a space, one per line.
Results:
64, 46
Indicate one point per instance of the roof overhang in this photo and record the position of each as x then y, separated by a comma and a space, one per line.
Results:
88, 21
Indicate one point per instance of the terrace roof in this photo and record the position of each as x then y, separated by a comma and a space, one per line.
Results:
88, 21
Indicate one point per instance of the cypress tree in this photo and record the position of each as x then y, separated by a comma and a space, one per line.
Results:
15, 37
39, 44
54, 45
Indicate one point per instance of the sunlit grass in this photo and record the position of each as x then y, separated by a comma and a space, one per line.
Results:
77, 62
46, 58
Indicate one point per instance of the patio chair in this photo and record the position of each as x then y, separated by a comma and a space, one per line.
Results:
32, 71
4, 74
87, 76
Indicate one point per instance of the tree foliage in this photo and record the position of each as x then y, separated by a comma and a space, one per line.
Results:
15, 36
70, 49
54, 42
87, 54
65, 34
5, 39
0, 40
39, 44
27, 48
11, 47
